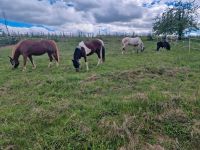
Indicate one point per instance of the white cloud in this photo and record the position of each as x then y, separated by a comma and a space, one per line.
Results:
84, 15
24, 30
42, 12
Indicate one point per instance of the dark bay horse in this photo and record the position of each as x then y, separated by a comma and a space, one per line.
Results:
86, 48
163, 44
29, 48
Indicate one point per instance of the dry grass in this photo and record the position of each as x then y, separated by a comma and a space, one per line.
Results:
135, 101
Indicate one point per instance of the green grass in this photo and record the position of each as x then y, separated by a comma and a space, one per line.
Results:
133, 101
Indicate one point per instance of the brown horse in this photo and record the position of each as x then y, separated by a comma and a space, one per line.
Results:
28, 48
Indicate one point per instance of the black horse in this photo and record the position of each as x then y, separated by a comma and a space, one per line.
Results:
163, 44
86, 48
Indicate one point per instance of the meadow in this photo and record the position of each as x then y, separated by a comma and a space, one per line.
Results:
133, 101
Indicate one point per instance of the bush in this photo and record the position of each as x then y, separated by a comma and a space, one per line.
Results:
8, 40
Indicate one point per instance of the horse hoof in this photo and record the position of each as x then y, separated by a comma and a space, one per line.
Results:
49, 65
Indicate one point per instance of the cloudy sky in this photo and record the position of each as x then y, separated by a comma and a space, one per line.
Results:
91, 16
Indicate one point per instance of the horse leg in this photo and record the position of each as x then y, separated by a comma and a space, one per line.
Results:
99, 58
137, 49
158, 47
50, 59
25, 60
32, 62
141, 48
56, 58
99, 62
86, 63
123, 49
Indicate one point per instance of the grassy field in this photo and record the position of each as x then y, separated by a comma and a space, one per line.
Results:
134, 101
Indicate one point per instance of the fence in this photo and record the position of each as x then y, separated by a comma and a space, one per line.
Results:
194, 43
8, 40
15, 37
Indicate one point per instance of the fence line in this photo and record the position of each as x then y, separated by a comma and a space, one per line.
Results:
190, 40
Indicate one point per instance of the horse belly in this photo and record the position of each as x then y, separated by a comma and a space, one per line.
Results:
133, 44
37, 52
90, 53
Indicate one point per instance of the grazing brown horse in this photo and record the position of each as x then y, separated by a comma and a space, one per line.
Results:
86, 48
29, 48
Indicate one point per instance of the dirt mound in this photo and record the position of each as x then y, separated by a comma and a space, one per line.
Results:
91, 78
148, 72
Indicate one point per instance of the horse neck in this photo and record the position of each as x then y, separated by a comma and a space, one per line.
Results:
16, 55
76, 57
77, 54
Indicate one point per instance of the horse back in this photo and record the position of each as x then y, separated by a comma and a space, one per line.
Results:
164, 44
132, 41
30, 47
94, 44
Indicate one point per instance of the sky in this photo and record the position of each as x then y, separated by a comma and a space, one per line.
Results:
88, 16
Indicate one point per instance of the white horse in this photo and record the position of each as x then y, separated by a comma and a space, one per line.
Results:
172, 38
136, 42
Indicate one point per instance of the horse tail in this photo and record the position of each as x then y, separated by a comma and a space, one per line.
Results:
103, 53
57, 51
124, 43
102, 50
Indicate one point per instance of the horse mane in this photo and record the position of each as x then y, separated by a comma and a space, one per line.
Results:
15, 47
57, 50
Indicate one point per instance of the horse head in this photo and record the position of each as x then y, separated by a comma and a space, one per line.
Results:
143, 48
77, 56
76, 65
13, 62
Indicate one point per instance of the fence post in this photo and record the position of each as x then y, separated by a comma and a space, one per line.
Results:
189, 44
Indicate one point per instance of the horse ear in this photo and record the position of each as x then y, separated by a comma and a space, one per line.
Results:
9, 57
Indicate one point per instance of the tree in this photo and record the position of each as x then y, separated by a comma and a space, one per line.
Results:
179, 18
149, 37
5, 22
